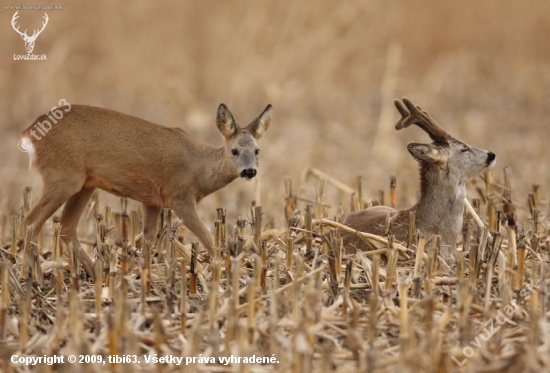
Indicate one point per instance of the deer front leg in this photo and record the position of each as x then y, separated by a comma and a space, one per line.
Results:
150, 222
187, 211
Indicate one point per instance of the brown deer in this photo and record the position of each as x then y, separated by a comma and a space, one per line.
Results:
446, 166
130, 157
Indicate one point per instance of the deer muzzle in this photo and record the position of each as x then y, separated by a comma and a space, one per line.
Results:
491, 157
248, 173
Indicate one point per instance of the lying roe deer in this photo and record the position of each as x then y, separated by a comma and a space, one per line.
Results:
130, 157
446, 166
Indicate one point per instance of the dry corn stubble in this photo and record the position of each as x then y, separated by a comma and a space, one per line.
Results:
290, 293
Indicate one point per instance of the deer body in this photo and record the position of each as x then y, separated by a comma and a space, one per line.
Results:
130, 157
446, 166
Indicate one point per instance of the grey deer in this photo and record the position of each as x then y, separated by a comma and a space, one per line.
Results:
130, 157
446, 166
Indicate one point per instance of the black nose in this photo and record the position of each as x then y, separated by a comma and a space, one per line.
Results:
248, 173
490, 157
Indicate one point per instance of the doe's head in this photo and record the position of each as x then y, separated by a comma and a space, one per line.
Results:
241, 145
460, 160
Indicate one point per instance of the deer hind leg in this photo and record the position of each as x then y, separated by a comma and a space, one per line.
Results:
74, 207
53, 196
56, 191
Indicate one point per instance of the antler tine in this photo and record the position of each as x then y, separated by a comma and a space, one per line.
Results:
43, 25
13, 19
412, 114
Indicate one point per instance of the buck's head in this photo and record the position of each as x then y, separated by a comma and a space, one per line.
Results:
241, 146
29, 40
459, 160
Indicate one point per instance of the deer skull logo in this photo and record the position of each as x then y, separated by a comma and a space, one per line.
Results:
29, 40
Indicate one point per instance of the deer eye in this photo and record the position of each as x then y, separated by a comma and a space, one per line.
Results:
235, 152
464, 150
257, 152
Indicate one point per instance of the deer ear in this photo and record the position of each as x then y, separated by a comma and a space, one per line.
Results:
260, 125
426, 153
225, 122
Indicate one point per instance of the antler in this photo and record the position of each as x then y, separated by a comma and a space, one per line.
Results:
24, 34
43, 27
15, 16
411, 114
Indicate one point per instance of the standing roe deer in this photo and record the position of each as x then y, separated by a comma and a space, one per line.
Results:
130, 157
446, 166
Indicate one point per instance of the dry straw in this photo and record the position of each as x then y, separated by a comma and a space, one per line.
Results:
292, 293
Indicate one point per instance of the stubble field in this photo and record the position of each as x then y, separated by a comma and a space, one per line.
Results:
283, 288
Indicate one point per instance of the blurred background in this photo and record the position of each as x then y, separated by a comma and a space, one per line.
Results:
330, 69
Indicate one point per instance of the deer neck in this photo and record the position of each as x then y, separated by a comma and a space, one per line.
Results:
440, 208
216, 172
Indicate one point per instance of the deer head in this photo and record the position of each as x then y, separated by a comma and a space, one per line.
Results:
459, 160
240, 142
29, 40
